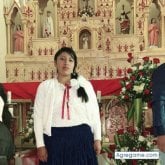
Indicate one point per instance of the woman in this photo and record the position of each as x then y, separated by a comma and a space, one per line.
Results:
6, 115
7, 148
66, 116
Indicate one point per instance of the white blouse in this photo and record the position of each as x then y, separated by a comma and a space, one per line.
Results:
1, 107
51, 110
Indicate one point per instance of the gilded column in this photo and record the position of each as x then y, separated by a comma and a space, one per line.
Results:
25, 36
93, 40
8, 22
146, 30
56, 19
36, 17
163, 31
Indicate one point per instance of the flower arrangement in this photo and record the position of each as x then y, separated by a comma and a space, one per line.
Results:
86, 11
137, 83
130, 140
29, 129
137, 87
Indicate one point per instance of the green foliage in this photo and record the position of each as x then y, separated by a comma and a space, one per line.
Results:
29, 129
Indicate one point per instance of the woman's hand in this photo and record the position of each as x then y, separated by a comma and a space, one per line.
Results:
161, 143
97, 146
42, 154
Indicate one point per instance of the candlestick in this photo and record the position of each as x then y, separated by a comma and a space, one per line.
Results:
99, 96
9, 97
11, 111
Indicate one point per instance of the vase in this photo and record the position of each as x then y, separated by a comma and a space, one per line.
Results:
135, 112
138, 113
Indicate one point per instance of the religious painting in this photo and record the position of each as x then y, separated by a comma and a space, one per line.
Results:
124, 17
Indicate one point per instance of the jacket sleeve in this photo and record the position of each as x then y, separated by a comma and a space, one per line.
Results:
95, 114
1, 107
158, 108
38, 115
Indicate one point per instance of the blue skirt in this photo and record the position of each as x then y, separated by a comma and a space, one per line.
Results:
70, 146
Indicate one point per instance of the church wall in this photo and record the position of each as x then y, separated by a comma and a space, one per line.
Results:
3, 46
105, 50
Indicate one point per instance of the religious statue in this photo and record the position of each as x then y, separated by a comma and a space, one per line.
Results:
18, 39
153, 31
48, 28
85, 41
124, 21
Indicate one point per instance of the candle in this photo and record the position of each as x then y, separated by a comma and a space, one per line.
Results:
11, 111
99, 96
9, 97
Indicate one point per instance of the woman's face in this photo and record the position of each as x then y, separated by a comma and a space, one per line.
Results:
64, 64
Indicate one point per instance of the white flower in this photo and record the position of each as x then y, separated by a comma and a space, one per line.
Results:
141, 67
122, 97
27, 134
123, 160
32, 116
30, 130
141, 138
149, 144
151, 66
123, 89
136, 128
126, 148
127, 83
134, 68
31, 121
80, 81
139, 88
74, 83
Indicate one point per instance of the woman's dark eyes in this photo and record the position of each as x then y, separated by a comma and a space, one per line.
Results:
71, 60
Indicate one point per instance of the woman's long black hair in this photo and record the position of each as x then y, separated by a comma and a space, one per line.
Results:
6, 115
80, 91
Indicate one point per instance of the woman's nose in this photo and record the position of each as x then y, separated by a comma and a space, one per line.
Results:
66, 61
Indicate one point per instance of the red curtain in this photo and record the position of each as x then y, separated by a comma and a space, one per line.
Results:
27, 90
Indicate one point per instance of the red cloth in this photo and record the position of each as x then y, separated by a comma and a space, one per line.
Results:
27, 90
107, 87
22, 90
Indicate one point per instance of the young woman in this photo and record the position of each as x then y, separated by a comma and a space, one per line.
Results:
66, 116
7, 148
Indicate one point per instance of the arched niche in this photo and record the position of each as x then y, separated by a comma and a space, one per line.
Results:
124, 17
17, 34
154, 25
45, 7
85, 39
